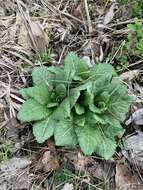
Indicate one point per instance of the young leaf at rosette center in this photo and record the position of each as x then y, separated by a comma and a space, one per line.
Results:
79, 109
73, 96
65, 134
89, 101
61, 91
39, 93
94, 118
43, 130
32, 111
79, 120
88, 138
63, 111
75, 66
52, 105
88, 98
102, 75
75, 93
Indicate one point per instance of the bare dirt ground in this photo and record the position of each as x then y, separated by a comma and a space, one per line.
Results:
42, 32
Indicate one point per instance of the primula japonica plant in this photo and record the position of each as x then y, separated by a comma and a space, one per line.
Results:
77, 105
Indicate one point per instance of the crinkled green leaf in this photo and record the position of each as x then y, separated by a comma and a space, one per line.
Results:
39, 93
107, 134
102, 75
77, 78
79, 109
102, 70
101, 84
61, 91
42, 75
119, 100
94, 118
43, 130
106, 148
74, 93
52, 104
24, 94
95, 109
90, 102
114, 129
70, 67
79, 120
50, 76
63, 111
32, 111
88, 137
73, 96
65, 134
75, 67
88, 98
59, 76
93, 139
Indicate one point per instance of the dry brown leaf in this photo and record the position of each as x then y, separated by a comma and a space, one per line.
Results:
130, 75
23, 37
134, 150
124, 179
12, 129
136, 117
78, 12
48, 162
81, 162
103, 170
109, 15
39, 37
6, 21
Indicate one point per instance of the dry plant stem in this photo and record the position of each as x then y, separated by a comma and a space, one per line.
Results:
88, 17
136, 63
61, 54
117, 51
104, 7
124, 22
137, 169
51, 7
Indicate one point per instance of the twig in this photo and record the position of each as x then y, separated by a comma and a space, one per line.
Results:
88, 17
